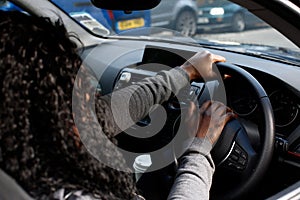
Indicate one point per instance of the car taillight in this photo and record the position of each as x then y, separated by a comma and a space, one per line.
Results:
111, 15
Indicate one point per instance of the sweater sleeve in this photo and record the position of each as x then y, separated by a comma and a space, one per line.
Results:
132, 103
194, 175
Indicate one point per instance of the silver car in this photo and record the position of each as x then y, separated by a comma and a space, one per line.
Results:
179, 15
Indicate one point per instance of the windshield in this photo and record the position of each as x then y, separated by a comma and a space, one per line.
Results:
210, 22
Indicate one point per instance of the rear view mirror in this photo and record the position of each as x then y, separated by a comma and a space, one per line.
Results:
126, 5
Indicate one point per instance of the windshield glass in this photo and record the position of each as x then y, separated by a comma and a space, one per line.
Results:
210, 22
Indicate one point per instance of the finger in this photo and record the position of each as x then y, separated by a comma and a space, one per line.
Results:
211, 110
205, 106
191, 109
229, 116
191, 120
218, 108
217, 58
229, 110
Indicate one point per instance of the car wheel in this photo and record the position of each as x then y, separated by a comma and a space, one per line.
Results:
238, 23
186, 23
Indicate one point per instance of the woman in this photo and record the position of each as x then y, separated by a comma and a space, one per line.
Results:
40, 145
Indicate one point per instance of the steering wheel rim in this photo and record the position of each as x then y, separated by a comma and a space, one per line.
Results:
267, 137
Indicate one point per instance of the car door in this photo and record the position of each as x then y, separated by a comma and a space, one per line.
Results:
162, 14
250, 18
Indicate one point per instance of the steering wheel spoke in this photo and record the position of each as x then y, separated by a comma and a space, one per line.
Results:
242, 156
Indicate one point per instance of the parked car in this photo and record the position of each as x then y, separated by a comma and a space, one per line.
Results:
216, 14
179, 15
116, 21
261, 85
7, 6
100, 21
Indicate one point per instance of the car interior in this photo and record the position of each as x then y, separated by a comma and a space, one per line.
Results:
258, 154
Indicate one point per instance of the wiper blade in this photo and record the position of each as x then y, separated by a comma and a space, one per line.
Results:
218, 43
275, 57
287, 56
243, 49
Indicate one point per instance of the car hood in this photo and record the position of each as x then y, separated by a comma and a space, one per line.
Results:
281, 54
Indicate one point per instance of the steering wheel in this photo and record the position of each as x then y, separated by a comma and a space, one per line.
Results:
240, 166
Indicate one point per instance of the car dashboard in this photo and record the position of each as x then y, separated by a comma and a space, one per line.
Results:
134, 60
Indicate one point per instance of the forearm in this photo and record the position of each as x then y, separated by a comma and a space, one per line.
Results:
130, 104
195, 171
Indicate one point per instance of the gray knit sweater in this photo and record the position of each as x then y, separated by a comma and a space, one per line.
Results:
196, 168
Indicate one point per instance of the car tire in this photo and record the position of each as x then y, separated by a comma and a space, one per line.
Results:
238, 23
186, 23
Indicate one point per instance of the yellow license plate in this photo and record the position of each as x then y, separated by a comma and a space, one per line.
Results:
132, 23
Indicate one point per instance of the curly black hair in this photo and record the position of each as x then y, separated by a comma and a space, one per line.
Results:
39, 145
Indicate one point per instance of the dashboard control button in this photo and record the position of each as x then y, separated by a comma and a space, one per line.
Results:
237, 150
242, 161
243, 155
234, 157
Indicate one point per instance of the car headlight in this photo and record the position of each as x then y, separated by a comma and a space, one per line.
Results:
217, 11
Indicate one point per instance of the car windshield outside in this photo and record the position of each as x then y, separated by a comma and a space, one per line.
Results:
208, 22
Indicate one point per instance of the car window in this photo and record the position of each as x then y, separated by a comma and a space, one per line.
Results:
210, 22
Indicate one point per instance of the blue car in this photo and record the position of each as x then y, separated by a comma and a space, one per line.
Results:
7, 6
216, 14
97, 20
